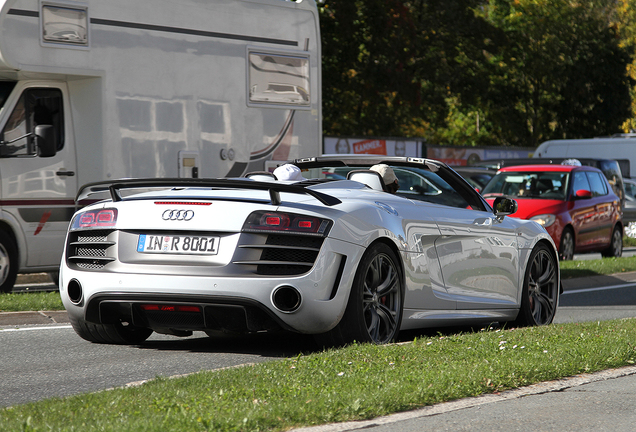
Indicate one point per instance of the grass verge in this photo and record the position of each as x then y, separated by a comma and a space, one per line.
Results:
604, 266
32, 301
352, 383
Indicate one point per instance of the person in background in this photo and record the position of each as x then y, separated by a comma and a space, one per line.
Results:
389, 178
288, 172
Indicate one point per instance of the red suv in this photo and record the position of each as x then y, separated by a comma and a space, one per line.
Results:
575, 204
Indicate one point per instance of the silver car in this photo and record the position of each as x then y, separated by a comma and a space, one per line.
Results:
334, 257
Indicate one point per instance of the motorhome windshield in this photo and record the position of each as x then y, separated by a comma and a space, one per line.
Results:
5, 90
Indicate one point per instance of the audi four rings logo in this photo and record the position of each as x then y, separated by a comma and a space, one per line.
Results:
178, 215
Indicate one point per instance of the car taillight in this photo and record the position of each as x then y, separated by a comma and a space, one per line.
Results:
286, 222
103, 218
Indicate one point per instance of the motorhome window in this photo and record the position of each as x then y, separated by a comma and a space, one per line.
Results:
35, 107
613, 173
6, 87
64, 25
279, 79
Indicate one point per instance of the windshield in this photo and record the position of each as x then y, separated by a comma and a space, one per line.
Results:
543, 185
5, 90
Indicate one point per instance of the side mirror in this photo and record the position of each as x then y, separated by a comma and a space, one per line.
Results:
504, 207
583, 194
45, 140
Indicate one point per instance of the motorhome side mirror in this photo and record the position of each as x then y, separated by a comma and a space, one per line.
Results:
504, 207
45, 140
583, 194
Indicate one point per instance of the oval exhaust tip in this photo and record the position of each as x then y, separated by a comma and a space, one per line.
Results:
74, 290
286, 299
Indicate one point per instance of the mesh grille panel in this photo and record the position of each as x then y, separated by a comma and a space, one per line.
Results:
293, 255
90, 266
276, 254
88, 250
95, 252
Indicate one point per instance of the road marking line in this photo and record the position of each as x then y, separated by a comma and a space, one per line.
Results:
36, 328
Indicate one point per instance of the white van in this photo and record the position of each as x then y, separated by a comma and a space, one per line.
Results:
621, 148
104, 89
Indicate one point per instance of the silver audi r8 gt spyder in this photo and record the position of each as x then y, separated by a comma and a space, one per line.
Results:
330, 254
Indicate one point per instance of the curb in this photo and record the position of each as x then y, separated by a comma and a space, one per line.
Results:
33, 317
598, 281
470, 402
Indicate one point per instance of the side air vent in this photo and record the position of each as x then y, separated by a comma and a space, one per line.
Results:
278, 254
88, 250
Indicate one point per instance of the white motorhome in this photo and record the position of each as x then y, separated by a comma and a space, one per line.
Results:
104, 89
621, 148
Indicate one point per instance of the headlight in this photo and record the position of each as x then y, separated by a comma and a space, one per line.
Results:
545, 220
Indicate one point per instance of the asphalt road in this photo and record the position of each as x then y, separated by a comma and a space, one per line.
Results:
43, 361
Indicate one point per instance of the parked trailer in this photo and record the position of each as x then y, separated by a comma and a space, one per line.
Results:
105, 89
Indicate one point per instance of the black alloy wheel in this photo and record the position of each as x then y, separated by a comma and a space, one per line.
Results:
374, 310
540, 289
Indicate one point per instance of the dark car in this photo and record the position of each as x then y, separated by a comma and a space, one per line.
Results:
629, 210
575, 204
478, 177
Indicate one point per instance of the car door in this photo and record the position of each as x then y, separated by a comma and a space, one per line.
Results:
603, 205
478, 254
584, 212
38, 192
479, 258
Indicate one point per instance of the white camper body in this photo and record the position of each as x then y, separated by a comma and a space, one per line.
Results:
620, 148
144, 88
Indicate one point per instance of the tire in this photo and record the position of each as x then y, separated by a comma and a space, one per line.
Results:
374, 309
540, 291
566, 248
110, 333
8, 262
615, 248
630, 230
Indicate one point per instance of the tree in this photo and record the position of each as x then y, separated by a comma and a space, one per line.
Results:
561, 72
390, 65
530, 70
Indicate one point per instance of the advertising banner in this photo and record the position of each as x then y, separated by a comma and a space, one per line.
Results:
373, 146
462, 156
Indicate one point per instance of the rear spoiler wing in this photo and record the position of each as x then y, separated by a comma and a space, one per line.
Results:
274, 188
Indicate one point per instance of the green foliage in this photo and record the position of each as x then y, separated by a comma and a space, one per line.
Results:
532, 69
561, 72
388, 65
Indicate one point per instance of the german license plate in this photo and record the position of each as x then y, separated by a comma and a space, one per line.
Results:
192, 245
